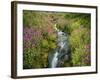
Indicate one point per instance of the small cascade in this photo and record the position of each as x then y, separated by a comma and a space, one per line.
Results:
55, 60
62, 48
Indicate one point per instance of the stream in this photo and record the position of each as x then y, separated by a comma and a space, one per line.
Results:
60, 54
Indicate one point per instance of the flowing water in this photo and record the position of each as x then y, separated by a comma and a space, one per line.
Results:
55, 60
62, 50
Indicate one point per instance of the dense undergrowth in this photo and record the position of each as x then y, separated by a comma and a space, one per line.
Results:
40, 39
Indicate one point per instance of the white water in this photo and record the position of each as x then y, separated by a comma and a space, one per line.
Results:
54, 60
61, 44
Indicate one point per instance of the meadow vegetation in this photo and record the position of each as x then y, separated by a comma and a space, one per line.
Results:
40, 39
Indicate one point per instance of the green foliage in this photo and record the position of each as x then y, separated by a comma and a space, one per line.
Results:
44, 43
76, 25
79, 38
